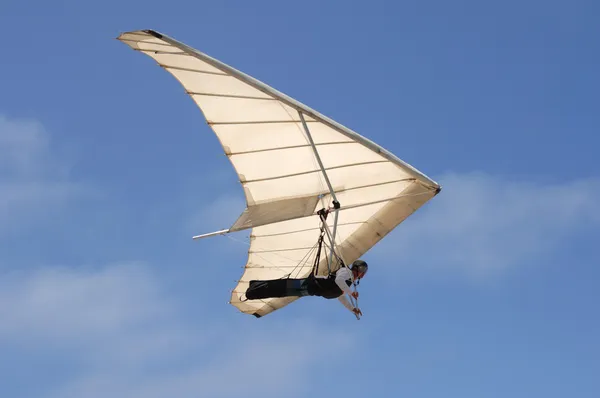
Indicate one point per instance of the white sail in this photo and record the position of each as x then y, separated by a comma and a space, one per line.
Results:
261, 132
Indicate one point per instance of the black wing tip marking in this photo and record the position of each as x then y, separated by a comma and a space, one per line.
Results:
153, 33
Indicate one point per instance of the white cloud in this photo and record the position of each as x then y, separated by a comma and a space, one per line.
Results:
66, 306
265, 364
32, 179
127, 337
482, 224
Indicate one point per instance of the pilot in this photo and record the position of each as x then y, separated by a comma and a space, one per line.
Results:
336, 285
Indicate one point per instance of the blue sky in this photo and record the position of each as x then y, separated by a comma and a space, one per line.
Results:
107, 169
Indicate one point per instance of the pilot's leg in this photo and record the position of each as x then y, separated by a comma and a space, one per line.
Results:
276, 288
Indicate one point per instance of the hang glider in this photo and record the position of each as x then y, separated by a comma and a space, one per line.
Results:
292, 163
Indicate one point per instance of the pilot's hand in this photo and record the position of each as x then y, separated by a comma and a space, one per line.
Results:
357, 311
354, 294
